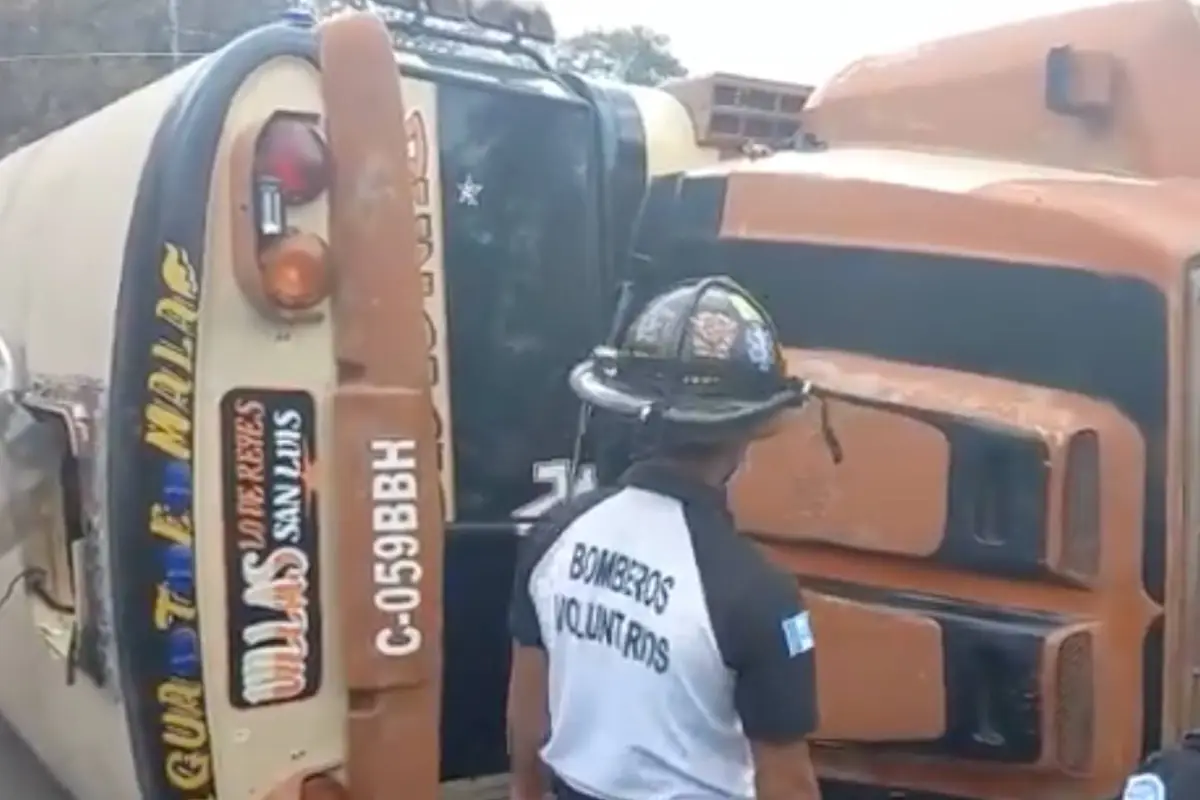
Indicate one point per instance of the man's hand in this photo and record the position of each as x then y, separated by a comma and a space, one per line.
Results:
528, 722
784, 771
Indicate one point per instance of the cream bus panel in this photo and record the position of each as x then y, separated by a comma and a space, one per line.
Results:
670, 136
65, 204
273, 734
264, 740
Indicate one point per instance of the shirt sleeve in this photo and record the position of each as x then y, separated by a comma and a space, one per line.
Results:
523, 622
774, 663
522, 614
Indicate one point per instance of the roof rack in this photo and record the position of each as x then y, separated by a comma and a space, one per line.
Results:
508, 26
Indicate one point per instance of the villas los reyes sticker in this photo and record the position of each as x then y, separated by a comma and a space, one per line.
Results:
272, 538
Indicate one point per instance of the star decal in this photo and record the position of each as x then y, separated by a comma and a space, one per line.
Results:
468, 192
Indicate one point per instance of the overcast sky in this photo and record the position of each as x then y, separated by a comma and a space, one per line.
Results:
794, 39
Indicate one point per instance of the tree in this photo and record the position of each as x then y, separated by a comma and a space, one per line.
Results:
634, 55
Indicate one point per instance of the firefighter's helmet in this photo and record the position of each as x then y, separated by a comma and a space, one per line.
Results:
702, 361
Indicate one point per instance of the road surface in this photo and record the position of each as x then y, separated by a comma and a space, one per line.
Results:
21, 774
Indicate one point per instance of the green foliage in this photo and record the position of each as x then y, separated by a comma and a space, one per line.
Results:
63, 59
634, 55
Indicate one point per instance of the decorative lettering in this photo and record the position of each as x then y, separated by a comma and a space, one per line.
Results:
422, 164
185, 735
171, 607
274, 665
168, 415
176, 529
167, 431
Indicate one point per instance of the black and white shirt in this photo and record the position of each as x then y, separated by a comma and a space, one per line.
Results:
671, 641
1172, 773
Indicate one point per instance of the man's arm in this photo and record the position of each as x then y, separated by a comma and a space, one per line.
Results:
775, 689
784, 771
528, 682
528, 722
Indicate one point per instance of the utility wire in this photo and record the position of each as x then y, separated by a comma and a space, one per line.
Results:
26, 576
173, 16
175, 53
34, 57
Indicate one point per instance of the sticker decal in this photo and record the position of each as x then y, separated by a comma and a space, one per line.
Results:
1146, 786
468, 192
181, 727
652, 326
797, 634
272, 553
760, 346
745, 308
713, 334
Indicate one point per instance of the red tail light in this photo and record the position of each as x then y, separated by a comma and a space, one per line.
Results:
292, 152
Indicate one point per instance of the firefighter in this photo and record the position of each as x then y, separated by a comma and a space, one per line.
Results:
1172, 773
657, 654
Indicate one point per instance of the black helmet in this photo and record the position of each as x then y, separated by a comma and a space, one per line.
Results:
702, 359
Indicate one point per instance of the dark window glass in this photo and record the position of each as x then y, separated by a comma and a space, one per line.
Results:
521, 281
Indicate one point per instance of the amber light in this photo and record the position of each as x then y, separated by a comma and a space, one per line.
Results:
295, 272
292, 152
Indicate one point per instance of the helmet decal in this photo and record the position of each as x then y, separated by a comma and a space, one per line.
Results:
714, 335
745, 308
760, 346
655, 322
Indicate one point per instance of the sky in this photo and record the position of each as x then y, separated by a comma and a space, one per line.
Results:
795, 40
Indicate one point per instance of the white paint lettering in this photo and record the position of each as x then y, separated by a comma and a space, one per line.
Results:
555, 474
396, 571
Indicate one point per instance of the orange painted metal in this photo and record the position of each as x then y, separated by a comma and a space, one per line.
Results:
389, 526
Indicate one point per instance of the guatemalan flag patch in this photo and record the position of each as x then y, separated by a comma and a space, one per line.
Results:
797, 634
1146, 786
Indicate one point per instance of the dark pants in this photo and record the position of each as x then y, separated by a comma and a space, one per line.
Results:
564, 792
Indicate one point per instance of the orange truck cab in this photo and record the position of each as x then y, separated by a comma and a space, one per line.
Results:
283, 351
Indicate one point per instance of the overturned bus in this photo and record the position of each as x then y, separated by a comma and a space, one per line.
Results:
284, 343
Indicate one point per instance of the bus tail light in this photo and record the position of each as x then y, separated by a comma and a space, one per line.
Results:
281, 263
291, 153
295, 272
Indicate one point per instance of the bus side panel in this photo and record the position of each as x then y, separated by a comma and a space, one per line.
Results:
65, 207
271, 716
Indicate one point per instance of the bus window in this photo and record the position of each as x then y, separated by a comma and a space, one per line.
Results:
517, 172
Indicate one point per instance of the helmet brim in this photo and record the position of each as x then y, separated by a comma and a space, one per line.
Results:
699, 413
